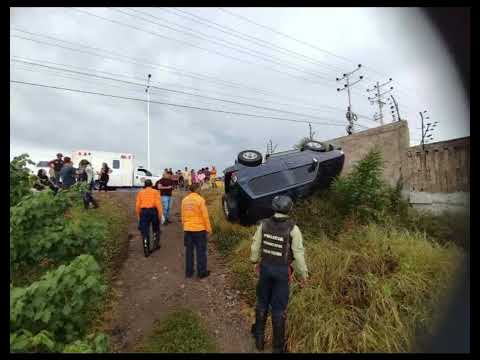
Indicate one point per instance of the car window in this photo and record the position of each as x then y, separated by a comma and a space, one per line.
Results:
116, 164
146, 172
303, 173
269, 183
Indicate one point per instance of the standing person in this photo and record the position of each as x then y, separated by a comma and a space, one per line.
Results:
148, 208
193, 178
213, 177
276, 243
67, 174
104, 177
196, 226
207, 175
57, 166
186, 176
165, 185
201, 177
85, 174
51, 174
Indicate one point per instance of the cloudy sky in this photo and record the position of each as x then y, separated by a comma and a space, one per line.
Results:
274, 63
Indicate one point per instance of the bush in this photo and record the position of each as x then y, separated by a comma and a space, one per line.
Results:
57, 303
21, 181
41, 227
362, 191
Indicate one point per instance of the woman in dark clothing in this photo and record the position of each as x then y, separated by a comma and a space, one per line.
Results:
104, 177
44, 182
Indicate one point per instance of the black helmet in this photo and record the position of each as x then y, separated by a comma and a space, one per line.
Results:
282, 204
148, 183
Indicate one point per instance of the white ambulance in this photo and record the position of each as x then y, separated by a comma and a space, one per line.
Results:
124, 172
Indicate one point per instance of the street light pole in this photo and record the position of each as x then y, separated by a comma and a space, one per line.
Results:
148, 122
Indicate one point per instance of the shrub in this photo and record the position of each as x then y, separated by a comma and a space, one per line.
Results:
41, 227
58, 302
362, 191
21, 181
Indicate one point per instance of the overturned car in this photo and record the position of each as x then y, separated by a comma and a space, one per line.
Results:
251, 184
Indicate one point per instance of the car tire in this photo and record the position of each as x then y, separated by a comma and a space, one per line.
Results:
230, 208
314, 146
250, 158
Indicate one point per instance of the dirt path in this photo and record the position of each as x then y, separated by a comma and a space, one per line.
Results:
148, 288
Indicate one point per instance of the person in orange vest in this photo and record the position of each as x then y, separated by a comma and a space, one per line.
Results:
213, 177
196, 226
149, 211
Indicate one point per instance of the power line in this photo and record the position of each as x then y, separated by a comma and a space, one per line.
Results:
157, 66
232, 32
192, 45
170, 90
209, 38
172, 104
301, 42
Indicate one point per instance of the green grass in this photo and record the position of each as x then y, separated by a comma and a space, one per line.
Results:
372, 288
180, 332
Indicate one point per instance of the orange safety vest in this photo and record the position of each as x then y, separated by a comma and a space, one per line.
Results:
195, 214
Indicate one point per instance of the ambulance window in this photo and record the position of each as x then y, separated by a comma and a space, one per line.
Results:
116, 164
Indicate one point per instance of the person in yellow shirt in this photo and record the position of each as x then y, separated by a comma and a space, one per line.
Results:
213, 177
196, 226
149, 211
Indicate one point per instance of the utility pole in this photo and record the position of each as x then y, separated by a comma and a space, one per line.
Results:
350, 115
377, 98
148, 122
270, 148
395, 106
426, 129
311, 133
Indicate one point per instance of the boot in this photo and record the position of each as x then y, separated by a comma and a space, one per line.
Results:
278, 327
258, 329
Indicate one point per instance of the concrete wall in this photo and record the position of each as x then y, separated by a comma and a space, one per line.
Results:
442, 167
392, 139
436, 178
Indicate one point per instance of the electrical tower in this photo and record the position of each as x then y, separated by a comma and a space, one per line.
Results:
378, 98
350, 115
426, 136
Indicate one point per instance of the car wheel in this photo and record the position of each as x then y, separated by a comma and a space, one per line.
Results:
314, 146
250, 158
230, 208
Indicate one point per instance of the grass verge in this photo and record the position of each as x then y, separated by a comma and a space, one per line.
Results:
180, 332
373, 287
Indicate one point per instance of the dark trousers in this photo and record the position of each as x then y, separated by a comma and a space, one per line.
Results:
103, 184
88, 199
273, 289
149, 216
197, 240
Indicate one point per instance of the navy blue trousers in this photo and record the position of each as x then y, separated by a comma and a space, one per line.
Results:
149, 216
195, 240
273, 289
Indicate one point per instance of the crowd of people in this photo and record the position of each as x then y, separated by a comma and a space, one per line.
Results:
63, 175
182, 179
